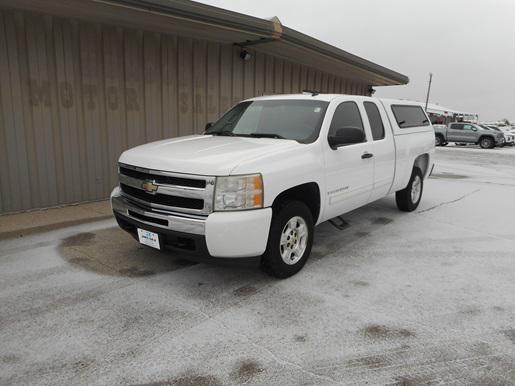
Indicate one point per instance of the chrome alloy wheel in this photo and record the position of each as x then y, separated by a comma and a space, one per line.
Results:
294, 239
416, 189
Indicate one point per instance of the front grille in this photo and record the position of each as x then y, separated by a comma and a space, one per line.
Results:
170, 191
162, 179
163, 199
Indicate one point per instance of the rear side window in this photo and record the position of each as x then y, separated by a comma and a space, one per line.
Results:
374, 118
409, 116
456, 126
346, 115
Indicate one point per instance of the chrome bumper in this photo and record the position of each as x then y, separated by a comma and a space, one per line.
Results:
176, 223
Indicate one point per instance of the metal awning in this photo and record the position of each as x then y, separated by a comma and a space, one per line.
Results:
202, 21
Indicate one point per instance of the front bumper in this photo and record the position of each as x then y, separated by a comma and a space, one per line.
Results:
220, 234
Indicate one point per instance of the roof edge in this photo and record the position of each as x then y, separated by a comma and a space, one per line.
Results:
272, 29
199, 12
314, 44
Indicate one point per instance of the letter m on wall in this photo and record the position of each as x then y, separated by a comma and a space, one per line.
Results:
39, 92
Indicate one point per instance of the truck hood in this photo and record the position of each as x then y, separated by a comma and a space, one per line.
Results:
203, 154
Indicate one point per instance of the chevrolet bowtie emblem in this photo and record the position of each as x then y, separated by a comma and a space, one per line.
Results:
149, 186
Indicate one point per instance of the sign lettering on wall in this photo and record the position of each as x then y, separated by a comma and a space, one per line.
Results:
40, 91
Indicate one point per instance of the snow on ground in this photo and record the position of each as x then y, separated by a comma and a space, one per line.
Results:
407, 298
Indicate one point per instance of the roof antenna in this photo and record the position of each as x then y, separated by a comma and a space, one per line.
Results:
312, 92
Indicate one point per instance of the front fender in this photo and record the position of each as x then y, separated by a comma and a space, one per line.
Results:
286, 169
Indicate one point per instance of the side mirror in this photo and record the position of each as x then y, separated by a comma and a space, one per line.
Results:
208, 125
346, 136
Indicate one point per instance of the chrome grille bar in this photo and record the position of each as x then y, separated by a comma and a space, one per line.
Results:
163, 189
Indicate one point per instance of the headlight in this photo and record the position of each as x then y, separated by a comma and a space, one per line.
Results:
239, 192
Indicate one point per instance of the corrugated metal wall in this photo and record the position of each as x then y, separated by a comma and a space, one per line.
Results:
74, 95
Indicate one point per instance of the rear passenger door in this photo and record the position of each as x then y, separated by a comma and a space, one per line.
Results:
383, 149
350, 168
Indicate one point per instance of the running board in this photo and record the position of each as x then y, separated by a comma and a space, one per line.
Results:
339, 223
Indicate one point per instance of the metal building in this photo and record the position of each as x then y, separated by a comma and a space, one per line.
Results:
82, 80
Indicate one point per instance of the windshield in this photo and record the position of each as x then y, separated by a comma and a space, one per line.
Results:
299, 120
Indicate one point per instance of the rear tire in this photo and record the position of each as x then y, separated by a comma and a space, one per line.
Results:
438, 140
289, 241
408, 198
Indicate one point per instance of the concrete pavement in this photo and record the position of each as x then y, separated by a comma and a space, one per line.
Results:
395, 298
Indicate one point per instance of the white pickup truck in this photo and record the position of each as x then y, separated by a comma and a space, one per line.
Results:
258, 180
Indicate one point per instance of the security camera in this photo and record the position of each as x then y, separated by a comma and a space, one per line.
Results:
245, 55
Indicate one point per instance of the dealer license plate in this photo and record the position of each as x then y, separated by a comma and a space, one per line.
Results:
149, 238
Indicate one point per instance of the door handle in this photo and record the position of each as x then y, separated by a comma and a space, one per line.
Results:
366, 155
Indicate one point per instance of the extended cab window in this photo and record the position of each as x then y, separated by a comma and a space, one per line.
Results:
456, 126
297, 119
346, 115
374, 118
409, 116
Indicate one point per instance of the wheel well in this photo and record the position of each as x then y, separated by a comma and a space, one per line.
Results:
308, 193
422, 162
485, 136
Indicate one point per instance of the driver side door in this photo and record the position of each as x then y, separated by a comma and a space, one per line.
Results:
455, 132
349, 168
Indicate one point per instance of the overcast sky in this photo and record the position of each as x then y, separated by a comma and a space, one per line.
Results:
468, 45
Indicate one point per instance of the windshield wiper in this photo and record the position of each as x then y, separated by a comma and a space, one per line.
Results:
226, 133
266, 135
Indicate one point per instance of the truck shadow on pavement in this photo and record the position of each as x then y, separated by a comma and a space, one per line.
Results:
113, 252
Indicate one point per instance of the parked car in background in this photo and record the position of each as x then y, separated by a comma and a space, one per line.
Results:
509, 138
463, 132
259, 180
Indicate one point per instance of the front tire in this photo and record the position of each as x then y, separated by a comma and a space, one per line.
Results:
486, 143
408, 198
289, 241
